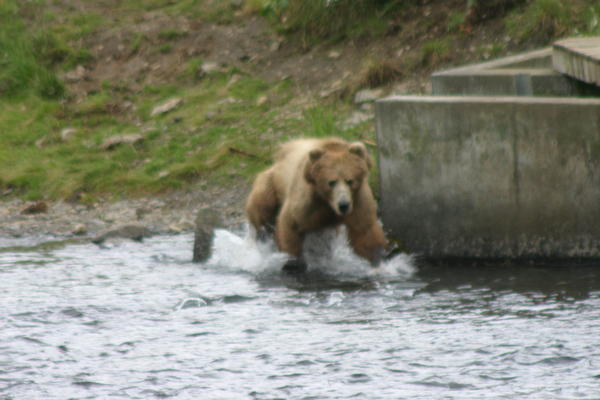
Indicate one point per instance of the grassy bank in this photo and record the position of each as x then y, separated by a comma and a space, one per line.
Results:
53, 138
224, 129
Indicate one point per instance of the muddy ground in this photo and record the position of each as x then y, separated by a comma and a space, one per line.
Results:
173, 213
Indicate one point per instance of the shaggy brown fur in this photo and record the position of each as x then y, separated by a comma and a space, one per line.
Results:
314, 184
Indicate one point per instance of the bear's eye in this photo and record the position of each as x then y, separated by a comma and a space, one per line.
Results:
349, 182
332, 183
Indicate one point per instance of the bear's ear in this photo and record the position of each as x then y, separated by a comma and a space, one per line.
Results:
313, 157
315, 154
359, 149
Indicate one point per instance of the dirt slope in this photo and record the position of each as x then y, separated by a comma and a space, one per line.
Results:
139, 47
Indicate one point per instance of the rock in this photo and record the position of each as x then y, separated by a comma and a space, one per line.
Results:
66, 133
334, 54
261, 100
208, 68
133, 232
75, 75
141, 212
79, 230
175, 228
368, 107
235, 78
182, 226
207, 220
164, 108
276, 45
35, 208
40, 143
367, 95
335, 89
114, 141
358, 117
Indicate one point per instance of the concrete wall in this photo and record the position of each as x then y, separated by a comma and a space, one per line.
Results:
491, 177
528, 74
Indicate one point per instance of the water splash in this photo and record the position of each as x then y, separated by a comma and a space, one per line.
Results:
326, 252
240, 253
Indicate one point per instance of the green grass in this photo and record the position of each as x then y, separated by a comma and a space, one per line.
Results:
229, 122
541, 21
318, 20
171, 34
213, 10
220, 132
455, 21
435, 51
23, 68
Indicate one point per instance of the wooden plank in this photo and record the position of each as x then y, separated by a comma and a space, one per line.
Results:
578, 58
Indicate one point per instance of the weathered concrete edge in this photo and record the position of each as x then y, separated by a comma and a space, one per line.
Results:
526, 74
492, 100
501, 65
499, 72
575, 64
561, 46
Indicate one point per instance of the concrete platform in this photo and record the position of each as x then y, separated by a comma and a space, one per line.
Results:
528, 74
578, 58
491, 177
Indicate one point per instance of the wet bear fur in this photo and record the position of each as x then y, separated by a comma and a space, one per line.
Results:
314, 184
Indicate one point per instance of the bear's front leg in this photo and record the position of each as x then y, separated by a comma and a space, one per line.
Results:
262, 205
368, 242
290, 240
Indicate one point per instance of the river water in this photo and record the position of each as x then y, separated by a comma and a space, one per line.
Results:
139, 321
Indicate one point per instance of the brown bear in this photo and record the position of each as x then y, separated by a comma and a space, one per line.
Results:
315, 184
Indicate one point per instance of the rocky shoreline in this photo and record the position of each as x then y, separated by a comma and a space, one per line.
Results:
172, 213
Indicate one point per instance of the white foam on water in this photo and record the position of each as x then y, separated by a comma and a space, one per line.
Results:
327, 252
240, 252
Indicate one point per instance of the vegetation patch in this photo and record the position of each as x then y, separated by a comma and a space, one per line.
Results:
22, 66
544, 20
84, 139
316, 20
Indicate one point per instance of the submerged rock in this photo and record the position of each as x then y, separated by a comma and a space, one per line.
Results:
133, 232
79, 230
207, 220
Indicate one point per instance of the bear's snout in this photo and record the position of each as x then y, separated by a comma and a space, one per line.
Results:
344, 207
341, 200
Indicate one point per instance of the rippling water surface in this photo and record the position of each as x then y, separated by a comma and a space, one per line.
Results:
139, 321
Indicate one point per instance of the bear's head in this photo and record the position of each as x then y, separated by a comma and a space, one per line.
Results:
337, 174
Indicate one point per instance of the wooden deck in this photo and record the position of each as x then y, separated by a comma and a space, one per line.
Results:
578, 58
